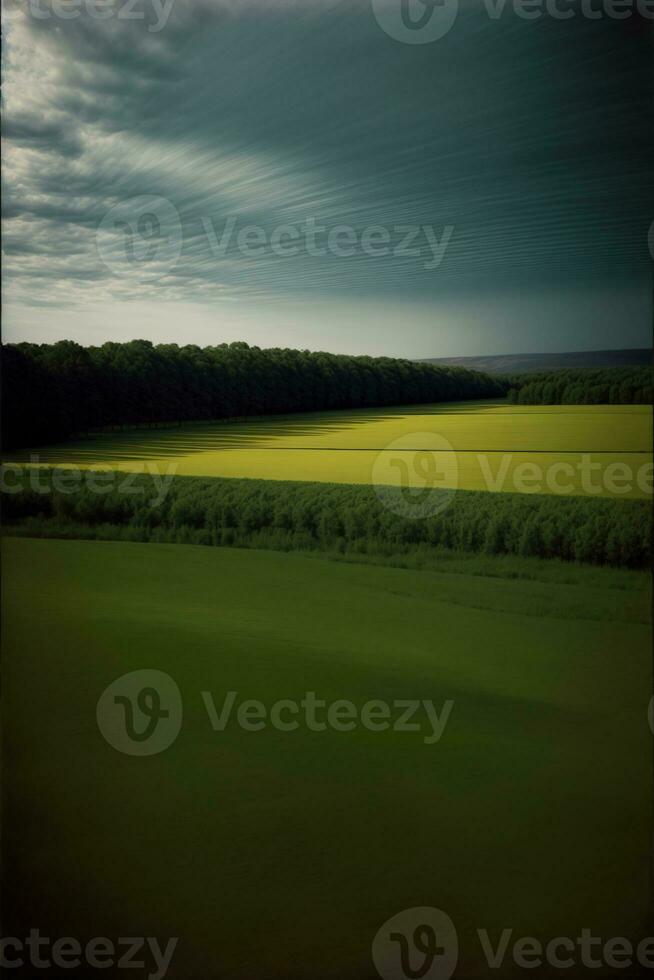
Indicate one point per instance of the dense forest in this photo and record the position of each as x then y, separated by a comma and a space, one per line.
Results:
336, 518
52, 391
605, 386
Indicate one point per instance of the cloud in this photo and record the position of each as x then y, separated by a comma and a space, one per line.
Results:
272, 113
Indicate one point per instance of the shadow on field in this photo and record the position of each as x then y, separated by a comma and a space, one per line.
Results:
275, 432
187, 438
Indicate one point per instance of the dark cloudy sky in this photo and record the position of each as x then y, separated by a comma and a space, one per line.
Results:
521, 145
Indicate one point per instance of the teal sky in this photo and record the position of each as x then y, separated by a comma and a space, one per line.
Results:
518, 150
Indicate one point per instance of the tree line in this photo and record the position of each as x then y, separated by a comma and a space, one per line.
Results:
338, 518
602, 386
53, 391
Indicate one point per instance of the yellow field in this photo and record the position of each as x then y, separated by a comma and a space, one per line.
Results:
568, 449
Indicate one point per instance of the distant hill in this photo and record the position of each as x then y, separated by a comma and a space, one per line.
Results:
522, 363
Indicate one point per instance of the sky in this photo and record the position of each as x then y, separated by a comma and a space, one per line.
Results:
321, 174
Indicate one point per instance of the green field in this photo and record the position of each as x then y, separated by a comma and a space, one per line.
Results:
278, 855
490, 442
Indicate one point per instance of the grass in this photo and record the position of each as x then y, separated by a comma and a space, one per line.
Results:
279, 855
490, 441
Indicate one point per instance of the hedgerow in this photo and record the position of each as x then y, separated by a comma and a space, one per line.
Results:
341, 518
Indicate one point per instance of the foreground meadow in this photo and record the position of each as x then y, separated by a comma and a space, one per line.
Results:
269, 852
480, 446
